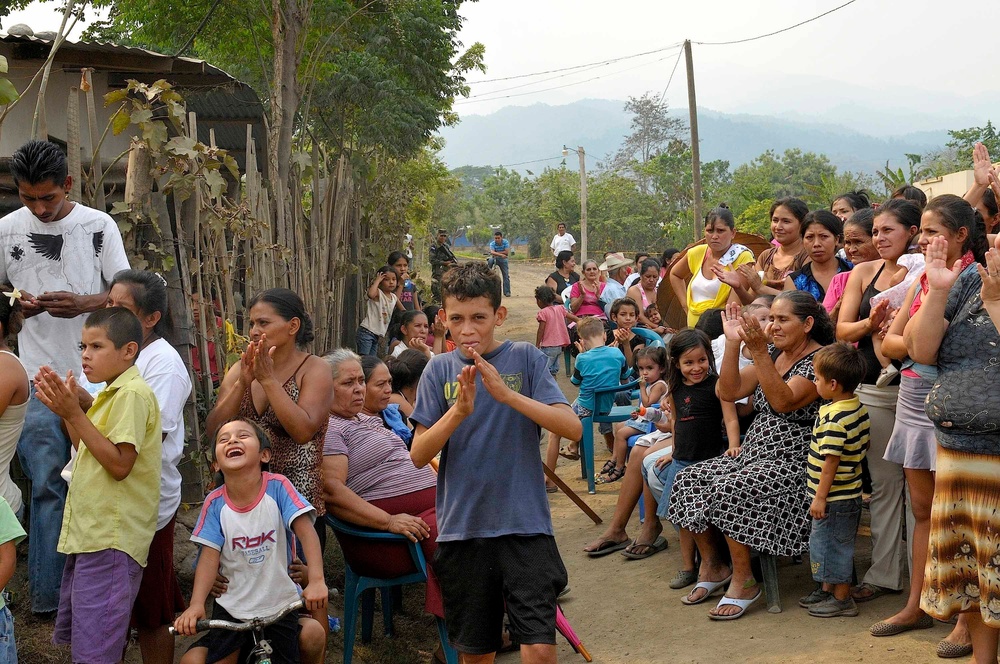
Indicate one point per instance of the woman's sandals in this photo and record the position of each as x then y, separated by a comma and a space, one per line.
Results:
710, 588
742, 604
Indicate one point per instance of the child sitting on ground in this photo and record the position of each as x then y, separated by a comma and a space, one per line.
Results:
111, 507
481, 407
414, 328
597, 367
839, 443
381, 303
245, 531
652, 365
552, 336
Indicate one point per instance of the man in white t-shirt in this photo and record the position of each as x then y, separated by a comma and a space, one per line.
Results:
61, 256
562, 241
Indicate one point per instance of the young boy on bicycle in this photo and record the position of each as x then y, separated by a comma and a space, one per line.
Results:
481, 405
111, 506
246, 531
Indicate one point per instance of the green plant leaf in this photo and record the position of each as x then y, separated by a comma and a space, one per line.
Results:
115, 96
120, 207
3, 65
8, 93
183, 146
216, 183
142, 115
120, 121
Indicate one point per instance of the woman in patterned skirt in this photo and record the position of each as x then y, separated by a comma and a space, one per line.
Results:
755, 496
958, 329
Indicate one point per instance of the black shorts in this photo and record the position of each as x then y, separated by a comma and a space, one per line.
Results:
479, 577
283, 637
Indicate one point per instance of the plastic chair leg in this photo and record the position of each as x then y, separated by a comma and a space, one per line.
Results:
350, 616
367, 614
388, 600
568, 357
450, 654
587, 453
769, 570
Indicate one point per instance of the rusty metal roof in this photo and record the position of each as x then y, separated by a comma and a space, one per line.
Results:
109, 57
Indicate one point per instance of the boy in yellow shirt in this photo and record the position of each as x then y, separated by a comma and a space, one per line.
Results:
111, 507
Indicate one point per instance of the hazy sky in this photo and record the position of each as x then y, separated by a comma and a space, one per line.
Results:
882, 64
917, 57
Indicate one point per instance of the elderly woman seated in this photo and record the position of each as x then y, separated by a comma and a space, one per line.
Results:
369, 480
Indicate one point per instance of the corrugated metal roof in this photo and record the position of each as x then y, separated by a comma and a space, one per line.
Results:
167, 62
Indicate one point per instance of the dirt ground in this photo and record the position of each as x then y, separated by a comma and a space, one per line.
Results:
623, 611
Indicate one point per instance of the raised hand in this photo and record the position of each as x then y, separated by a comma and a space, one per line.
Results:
732, 322
465, 401
492, 380
728, 277
939, 275
263, 362
990, 276
753, 336
55, 393
878, 315
246, 364
748, 272
981, 164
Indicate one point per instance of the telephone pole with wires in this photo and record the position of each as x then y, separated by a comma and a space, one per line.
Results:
695, 152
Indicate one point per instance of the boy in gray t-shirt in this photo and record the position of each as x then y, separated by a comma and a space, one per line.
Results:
482, 406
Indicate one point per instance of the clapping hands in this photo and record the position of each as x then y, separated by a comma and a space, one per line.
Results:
939, 275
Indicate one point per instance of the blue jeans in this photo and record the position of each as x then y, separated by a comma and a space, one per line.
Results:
831, 543
8, 649
666, 477
554, 353
43, 450
367, 342
504, 270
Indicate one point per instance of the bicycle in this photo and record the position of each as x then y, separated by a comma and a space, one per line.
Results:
261, 653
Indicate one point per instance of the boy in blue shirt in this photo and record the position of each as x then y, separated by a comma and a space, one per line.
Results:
482, 406
499, 252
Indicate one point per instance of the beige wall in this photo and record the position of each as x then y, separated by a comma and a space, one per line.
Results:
953, 183
16, 127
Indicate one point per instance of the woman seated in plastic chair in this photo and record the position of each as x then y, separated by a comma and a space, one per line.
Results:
369, 480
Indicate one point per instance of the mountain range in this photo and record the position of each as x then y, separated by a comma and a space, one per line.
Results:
516, 134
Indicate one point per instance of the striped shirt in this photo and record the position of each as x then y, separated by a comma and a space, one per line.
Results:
378, 463
841, 430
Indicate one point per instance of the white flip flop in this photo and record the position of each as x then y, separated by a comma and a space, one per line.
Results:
710, 586
744, 604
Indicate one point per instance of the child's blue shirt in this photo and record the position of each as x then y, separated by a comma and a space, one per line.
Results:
598, 368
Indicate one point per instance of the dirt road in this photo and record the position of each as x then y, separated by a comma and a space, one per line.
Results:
625, 613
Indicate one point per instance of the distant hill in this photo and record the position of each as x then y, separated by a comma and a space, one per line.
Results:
522, 133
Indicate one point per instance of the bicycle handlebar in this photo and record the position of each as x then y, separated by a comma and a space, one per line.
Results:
252, 624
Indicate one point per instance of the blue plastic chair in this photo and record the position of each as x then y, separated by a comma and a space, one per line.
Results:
356, 587
605, 410
653, 340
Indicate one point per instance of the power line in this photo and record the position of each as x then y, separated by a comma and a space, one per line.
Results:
485, 96
670, 80
533, 161
589, 64
776, 32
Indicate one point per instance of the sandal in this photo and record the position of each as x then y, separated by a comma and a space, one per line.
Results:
949, 650
866, 592
607, 546
569, 453
608, 466
743, 605
632, 550
710, 588
614, 475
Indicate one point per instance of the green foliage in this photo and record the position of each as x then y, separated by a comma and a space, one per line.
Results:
8, 93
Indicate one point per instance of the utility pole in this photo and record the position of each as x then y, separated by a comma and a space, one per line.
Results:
583, 202
695, 152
